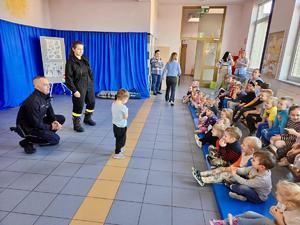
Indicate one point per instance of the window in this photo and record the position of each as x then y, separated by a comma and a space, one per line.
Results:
260, 32
294, 74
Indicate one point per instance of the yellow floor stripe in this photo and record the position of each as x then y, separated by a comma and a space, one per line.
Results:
96, 206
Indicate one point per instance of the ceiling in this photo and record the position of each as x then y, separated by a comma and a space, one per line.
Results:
202, 2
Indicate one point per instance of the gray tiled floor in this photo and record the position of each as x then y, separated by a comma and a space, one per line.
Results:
35, 190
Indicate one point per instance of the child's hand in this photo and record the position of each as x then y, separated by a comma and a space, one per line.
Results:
291, 131
246, 113
276, 138
291, 152
276, 214
222, 142
233, 170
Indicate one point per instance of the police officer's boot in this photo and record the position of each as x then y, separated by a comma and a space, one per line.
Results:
28, 146
88, 119
77, 125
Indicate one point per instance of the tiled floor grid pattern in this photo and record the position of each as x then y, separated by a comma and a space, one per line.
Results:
58, 185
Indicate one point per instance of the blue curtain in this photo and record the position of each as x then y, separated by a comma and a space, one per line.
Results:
118, 60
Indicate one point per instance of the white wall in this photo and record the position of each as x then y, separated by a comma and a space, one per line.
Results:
154, 17
36, 13
95, 15
91, 15
169, 26
236, 28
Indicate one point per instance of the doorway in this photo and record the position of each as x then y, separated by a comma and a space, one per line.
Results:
202, 32
183, 57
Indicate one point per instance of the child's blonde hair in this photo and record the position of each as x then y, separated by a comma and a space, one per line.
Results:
219, 127
234, 132
289, 192
289, 100
227, 122
122, 94
269, 92
273, 100
228, 112
195, 83
254, 142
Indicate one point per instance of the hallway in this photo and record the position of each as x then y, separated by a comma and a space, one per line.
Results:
51, 186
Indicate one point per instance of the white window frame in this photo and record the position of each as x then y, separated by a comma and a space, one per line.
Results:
256, 22
296, 48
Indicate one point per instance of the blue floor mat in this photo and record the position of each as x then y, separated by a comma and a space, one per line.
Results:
228, 205
225, 203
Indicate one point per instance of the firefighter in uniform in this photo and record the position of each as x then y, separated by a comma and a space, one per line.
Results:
36, 119
79, 80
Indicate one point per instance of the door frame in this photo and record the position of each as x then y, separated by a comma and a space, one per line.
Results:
206, 40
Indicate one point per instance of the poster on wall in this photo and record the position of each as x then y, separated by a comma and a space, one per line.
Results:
54, 58
272, 55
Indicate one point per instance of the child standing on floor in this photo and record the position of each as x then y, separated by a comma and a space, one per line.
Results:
119, 119
253, 183
249, 146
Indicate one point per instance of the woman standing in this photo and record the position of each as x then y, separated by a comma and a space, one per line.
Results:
241, 66
225, 67
79, 79
173, 71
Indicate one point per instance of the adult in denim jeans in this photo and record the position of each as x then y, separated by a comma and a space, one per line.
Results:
156, 72
172, 69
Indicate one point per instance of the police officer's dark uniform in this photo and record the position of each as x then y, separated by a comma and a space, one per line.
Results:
35, 118
79, 77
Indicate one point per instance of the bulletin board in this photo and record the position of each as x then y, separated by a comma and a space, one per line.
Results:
54, 58
272, 54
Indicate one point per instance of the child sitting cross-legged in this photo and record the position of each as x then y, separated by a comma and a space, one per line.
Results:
224, 120
208, 118
216, 133
269, 115
230, 148
285, 141
253, 183
249, 146
280, 121
285, 212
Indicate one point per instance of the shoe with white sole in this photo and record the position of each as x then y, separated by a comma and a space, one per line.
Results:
198, 179
237, 196
119, 156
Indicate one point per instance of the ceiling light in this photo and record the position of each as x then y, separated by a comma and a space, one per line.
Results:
194, 19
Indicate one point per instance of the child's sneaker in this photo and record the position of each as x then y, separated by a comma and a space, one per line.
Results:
237, 196
123, 150
198, 179
232, 220
209, 159
119, 156
195, 171
217, 222
198, 142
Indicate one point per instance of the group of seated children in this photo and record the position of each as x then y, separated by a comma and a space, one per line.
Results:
274, 136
